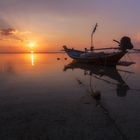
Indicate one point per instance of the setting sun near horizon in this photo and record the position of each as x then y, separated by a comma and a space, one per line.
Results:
31, 44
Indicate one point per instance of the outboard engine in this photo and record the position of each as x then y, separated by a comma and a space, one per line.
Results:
125, 43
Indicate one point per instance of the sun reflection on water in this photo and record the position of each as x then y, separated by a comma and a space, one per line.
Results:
32, 58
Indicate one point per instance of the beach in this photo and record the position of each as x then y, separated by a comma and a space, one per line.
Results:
42, 98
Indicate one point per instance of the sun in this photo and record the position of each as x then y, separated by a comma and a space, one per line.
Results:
32, 44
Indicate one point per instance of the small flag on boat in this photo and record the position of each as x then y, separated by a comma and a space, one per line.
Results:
94, 29
92, 34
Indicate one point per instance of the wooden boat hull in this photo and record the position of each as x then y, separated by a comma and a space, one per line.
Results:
109, 59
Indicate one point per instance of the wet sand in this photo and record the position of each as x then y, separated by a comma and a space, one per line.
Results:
56, 119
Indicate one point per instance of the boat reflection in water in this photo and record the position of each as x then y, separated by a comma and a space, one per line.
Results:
102, 73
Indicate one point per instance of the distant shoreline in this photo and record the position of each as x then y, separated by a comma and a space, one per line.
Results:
30, 52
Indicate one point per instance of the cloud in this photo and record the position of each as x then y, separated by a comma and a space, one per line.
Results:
7, 32
12, 33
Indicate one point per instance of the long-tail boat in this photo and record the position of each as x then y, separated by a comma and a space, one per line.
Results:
101, 57
98, 58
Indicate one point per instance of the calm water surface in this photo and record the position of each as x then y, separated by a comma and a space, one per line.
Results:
42, 97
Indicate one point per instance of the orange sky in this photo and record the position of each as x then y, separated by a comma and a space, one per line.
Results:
51, 24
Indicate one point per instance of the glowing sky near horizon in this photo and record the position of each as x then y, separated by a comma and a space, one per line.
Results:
53, 23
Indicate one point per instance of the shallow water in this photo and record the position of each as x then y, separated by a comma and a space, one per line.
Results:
42, 97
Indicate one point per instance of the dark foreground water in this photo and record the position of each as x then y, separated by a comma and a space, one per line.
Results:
42, 98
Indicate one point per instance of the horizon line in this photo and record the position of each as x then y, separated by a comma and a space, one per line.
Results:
14, 52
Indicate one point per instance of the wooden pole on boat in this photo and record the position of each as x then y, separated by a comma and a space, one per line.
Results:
107, 48
92, 34
116, 41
